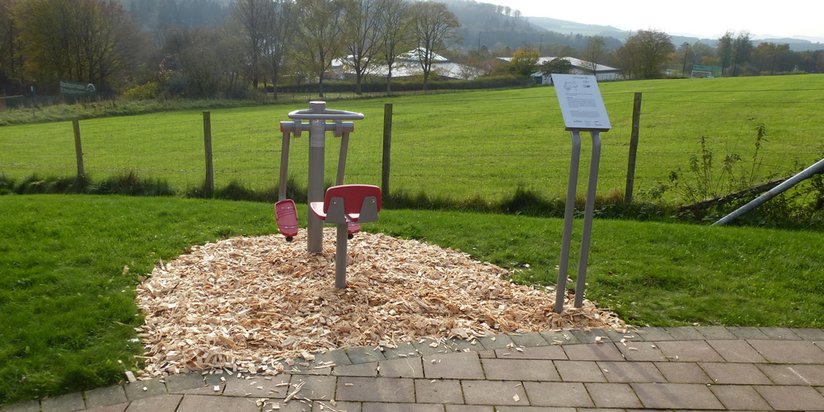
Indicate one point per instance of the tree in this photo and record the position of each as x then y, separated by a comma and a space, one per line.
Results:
280, 18
393, 33
733, 51
432, 24
320, 34
363, 21
524, 62
775, 58
644, 54
556, 65
252, 17
594, 52
11, 60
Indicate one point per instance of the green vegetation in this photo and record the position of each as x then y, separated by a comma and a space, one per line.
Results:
70, 264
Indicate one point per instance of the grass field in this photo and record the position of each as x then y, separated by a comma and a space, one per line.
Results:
459, 145
67, 307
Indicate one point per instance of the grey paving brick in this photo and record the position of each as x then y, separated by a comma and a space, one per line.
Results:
567, 394
591, 335
676, 396
404, 350
338, 357
144, 389
784, 374
735, 373
361, 369
375, 389
461, 345
579, 371
539, 352
685, 333
162, 403
63, 403
533, 409
653, 334
487, 354
689, 351
627, 335
595, 351
200, 403
631, 372
613, 395
716, 333
810, 333
530, 339
779, 351
747, 332
641, 351
520, 370
739, 397
29, 406
559, 337
494, 393
736, 351
438, 391
459, 365
780, 333
431, 347
294, 405
254, 387
195, 383
469, 408
499, 341
364, 355
313, 387
784, 398
324, 406
119, 407
110, 395
400, 407
682, 372
410, 367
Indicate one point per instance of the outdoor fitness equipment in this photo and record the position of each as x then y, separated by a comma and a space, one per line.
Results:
344, 205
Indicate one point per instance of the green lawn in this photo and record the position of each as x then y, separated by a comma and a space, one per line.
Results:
455, 145
67, 307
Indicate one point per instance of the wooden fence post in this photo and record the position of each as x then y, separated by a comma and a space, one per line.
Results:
387, 146
207, 143
633, 148
78, 149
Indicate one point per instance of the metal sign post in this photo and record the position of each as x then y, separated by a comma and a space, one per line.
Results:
583, 110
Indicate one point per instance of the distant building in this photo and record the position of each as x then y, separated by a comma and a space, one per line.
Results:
602, 72
408, 65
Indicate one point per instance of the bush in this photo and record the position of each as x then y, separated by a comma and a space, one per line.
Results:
144, 91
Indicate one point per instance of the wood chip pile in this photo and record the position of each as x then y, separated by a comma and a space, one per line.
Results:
249, 304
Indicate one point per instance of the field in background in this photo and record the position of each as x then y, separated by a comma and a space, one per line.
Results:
457, 145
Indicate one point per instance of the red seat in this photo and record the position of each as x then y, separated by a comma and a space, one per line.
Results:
286, 216
349, 203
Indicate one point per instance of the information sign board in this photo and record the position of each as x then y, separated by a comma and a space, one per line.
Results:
581, 103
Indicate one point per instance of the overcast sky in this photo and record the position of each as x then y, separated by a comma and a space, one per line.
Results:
706, 19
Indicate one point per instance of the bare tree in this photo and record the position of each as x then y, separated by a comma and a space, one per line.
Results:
320, 34
393, 33
363, 18
280, 29
594, 52
433, 23
251, 15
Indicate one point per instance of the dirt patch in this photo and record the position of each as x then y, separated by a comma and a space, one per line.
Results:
247, 304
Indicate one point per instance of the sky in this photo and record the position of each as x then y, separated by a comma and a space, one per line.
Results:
705, 19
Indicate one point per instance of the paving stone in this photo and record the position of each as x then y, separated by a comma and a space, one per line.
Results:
110, 395
314, 387
716, 333
559, 337
641, 351
676, 396
469, 408
431, 347
361, 369
198, 384
613, 395
144, 389
530, 339
520, 370
162, 403
631, 372
486, 354
401, 407
29, 406
375, 389
294, 405
685, 333
63, 403
500, 341
404, 350
461, 345
539, 352
579, 371
627, 336
682, 372
780, 351
337, 356
653, 334
494, 393
460, 365
120, 407
324, 406
780, 333
689, 351
810, 333
736, 351
533, 409
568, 394
747, 332
364, 355
795, 398
591, 335
438, 391
738, 397
595, 351
401, 368
256, 387
735, 373
794, 374
200, 403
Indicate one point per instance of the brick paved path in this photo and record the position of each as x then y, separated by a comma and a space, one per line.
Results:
701, 368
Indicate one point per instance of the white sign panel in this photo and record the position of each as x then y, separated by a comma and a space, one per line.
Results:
581, 102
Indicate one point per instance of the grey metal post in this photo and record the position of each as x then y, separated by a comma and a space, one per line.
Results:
207, 144
340, 256
284, 165
344, 147
78, 149
588, 214
633, 148
317, 128
569, 214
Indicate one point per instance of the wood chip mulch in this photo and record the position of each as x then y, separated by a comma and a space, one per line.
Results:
249, 304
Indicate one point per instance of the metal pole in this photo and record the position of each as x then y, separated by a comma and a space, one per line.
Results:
78, 149
588, 214
387, 147
207, 144
633, 148
569, 214
284, 165
344, 147
817, 167
317, 129
340, 256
